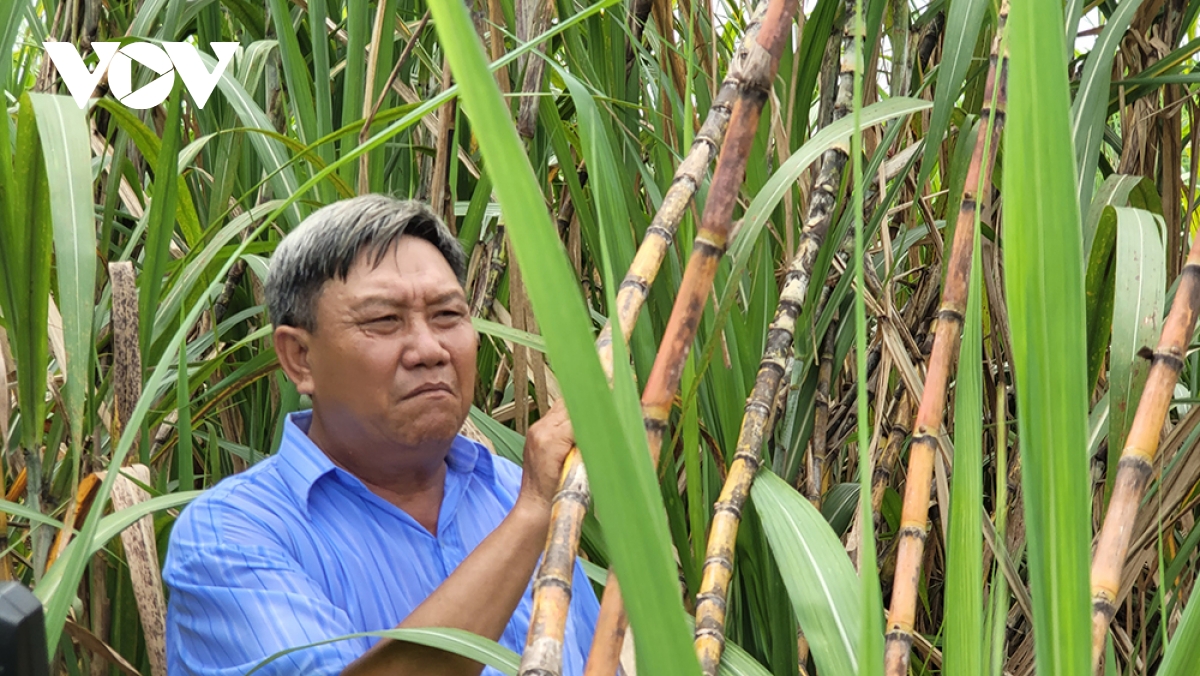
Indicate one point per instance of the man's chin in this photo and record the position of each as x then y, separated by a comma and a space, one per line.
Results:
430, 429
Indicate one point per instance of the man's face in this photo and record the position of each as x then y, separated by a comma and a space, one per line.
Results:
393, 355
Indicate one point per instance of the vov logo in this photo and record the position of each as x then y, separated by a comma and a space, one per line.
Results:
117, 61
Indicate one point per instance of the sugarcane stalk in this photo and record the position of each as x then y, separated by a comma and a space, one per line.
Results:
915, 512
823, 197
718, 564
1141, 446
881, 477
818, 445
716, 224
552, 582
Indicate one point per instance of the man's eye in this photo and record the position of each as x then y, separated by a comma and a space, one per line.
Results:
384, 319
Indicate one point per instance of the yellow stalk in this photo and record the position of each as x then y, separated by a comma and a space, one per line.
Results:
552, 583
915, 512
1141, 447
762, 61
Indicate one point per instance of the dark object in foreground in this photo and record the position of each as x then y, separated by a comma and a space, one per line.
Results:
22, 633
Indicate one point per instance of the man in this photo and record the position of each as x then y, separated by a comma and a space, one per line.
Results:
374, 513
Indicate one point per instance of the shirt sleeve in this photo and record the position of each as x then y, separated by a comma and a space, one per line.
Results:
231, 607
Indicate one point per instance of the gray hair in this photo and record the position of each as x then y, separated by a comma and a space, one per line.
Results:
327, 243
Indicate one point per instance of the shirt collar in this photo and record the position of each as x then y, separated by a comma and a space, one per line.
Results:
304, 463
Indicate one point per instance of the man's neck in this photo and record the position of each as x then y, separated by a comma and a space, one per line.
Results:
412, 478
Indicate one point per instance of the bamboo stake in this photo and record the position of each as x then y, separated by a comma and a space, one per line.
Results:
552, 583
915, 513
1141, 447
761, 61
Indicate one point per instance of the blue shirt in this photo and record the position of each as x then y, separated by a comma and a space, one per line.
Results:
296, 550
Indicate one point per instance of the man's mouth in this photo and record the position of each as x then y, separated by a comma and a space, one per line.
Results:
430, 389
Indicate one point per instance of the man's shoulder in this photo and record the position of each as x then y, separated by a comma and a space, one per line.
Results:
241, 508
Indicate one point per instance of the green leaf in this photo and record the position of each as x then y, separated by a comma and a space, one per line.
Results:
160, 219
1140, 288
1090, 110
85, 545
65, 142
1044, 281
150, 146
295, 72
26, 242
963, 22
490, 328
820, 580
17, 509
624, 485
963, 649
1183, 653
270, 152
457, 641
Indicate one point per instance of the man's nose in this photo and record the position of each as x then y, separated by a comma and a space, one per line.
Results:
423, 347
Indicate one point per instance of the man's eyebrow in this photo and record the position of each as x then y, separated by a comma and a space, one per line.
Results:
447, 297
376, 301
381, 300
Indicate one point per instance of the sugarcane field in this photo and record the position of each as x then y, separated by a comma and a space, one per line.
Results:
600, 337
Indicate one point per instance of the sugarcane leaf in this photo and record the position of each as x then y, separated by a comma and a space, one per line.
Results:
1073, 11
839, 506
64, 135
270, 152
1140, 287
1044, 282
1118, 190
624, 485
295, 72
817, 28
27, 240
17, 509
1099, 289
1183, 651
490, 328
823, 587
963, 650
1100, 238
107, 528
738, 662
151, 146
160, 220
1090, 110
509, 444
456, 641
963, 22
785, 177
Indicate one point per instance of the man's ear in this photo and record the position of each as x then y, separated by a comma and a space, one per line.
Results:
291, 347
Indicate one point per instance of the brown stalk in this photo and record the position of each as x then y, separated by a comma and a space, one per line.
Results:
718, 563
762, 61
533, 16
915, 513
552, 583
1141, 446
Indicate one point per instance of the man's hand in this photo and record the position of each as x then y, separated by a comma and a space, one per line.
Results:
546, 446
480, 595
